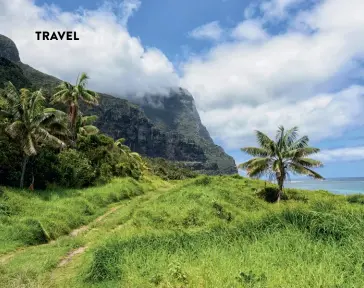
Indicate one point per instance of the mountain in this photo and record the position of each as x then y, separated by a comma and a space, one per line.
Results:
155, 126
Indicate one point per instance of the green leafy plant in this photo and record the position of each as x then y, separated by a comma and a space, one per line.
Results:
31, 123
278, 158
71, 95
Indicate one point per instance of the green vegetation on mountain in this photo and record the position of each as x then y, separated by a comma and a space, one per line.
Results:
30, 123
172, 130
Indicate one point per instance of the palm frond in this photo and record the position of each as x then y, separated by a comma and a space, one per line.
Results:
89, 130
299, 169
41, 135
82, 80
310, 163
29, 146
265, 142
89, 97
88, 120
16, 130
290, 136
258, 171
255, 151
300, 143
280, 136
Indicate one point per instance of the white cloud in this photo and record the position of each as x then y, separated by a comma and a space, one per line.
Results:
128, 9
278, 9
211, 31
249, 30
342, 154
321, 116
116, 62
284, 79
294, 78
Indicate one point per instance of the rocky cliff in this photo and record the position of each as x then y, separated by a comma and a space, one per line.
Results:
156, 126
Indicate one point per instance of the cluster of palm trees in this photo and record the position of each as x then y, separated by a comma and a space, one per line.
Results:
28, 121
277, 158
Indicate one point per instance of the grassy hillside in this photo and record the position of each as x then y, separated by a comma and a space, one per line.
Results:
203, 232
33, 218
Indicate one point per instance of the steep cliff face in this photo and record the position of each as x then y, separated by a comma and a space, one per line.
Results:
157, 126
177, 112
8, 49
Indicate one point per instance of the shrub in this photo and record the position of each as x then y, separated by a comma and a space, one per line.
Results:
168, 170
43, 168
293, 194
357, 198
32, 232
106, 263
270, 194
203, 181
75, 169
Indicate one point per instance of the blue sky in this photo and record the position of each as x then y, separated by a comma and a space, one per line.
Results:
249, 64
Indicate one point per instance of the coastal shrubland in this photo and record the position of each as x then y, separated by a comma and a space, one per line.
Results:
204, 232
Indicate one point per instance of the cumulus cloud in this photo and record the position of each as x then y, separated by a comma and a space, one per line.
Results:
128, 8
290, 78
277, 9
116, 62
321, 116
342, 154
210, 31
249, 30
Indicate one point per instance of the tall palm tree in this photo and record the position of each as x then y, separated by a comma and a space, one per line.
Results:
71, 96
280, 157
30, 122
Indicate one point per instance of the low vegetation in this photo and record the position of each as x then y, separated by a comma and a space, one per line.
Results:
204, 232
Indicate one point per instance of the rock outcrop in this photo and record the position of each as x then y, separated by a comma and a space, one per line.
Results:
8, 49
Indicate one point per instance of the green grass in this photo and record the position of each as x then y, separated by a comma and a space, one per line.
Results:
206, 232
31, 218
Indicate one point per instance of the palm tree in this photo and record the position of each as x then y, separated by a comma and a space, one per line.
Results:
31, 123
133, 160
84, 126
71, 95
278, 158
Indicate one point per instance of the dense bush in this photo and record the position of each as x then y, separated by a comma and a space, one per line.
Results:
357, 198
270, 194
75, 169
87, 157
10, 161
95, 160
168, 170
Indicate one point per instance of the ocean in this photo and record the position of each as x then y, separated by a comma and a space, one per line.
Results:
344, 186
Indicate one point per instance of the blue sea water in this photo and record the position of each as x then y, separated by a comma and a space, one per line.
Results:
344, 186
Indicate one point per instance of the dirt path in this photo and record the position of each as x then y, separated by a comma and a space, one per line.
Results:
82, 229
7, 257
93, 234
70, 255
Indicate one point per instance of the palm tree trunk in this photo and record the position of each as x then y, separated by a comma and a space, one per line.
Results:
25, 162
280, 190
73, 118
